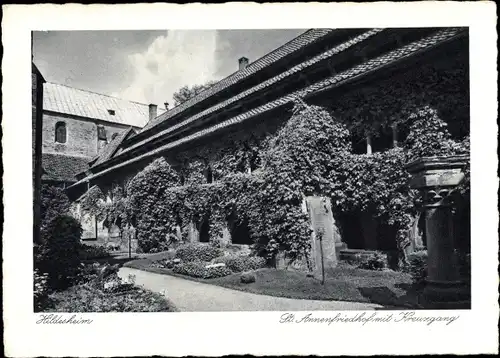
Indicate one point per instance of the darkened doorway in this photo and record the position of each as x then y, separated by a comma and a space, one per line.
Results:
205, 230
351, 231
240, 233
239, 230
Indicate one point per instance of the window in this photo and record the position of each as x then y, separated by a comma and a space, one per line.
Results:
111, 112
101, 132
61, 132
114, 136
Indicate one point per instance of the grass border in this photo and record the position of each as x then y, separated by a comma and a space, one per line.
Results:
137, 264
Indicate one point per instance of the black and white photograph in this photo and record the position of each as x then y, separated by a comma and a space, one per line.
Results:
284, 185
306, 171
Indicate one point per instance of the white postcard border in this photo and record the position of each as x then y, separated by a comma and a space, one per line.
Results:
256, 333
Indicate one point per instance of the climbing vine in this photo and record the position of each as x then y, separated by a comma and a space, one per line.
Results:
310, 154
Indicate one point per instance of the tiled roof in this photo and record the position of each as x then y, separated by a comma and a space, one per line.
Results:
60, 167
64, 99
333, 81
297, 43
108, 151
263, 85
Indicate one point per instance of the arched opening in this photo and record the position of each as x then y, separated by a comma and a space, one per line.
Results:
239, 230
351, 230
60, 132
205, 229
208, 175
382, 141
240, 233
254, 161
241, 167
358, 144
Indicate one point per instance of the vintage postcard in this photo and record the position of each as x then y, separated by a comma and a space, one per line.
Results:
263, 179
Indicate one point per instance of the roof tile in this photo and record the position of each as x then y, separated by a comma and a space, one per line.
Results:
60, 167
281, 52
68, 100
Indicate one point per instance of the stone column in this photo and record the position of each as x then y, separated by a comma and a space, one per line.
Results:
394, 136
368, 144
436, 177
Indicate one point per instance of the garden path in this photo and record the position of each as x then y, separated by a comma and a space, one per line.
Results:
191, 296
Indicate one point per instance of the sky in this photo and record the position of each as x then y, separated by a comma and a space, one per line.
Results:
148, 66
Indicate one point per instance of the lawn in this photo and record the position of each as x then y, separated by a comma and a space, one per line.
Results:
390, 289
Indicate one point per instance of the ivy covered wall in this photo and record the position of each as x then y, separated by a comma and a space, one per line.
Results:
259, 173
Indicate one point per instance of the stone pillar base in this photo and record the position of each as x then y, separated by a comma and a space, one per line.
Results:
446, 292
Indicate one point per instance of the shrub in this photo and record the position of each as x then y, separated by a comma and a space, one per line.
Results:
417, 266
241, 263
83, 298
198, 269
192, 252
58, 256
247, 277
104, 291
53, 203
40, 290
373, 261
88, 252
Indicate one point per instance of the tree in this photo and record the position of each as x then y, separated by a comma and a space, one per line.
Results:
185, 93
54, 203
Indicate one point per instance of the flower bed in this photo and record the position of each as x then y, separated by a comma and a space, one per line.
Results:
238, 263
101, 290
201, 269
85, 298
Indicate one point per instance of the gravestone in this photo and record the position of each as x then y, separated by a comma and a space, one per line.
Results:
225, 236
281, 263
323, 241
193, 233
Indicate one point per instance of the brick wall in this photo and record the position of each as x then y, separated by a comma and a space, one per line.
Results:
81, 135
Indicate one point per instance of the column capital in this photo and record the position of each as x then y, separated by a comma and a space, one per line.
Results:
442, 171
436, 196
436, 177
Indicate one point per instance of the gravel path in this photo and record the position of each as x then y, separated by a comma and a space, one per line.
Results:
189, 296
